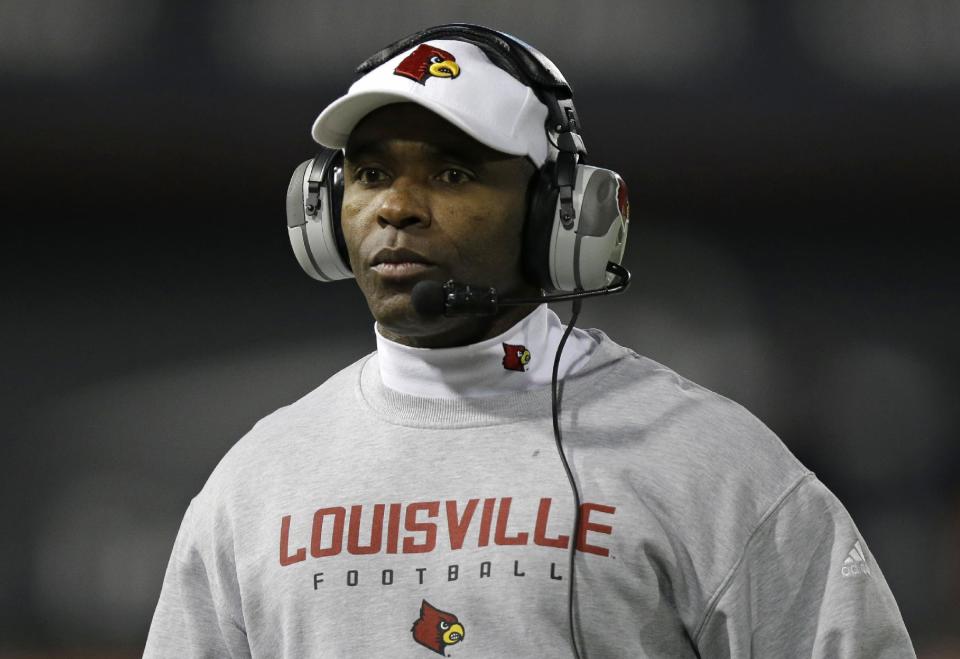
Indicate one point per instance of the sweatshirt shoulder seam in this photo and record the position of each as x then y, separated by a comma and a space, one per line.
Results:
728, 579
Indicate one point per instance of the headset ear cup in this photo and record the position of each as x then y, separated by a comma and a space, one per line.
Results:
573, 258
538, 230
598, 235
314, 199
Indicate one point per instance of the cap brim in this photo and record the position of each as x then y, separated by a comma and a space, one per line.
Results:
334, 125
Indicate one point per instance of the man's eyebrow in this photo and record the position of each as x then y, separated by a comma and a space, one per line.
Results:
370, 148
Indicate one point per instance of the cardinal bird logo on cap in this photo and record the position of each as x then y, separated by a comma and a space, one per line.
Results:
428, 61
515, 358
436, 629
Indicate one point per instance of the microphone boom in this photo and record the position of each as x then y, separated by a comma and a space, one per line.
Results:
430, 298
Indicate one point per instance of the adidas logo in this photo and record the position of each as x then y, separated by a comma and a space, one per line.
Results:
855, 563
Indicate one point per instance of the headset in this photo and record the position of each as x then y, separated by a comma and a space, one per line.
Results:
573, 238
578, 215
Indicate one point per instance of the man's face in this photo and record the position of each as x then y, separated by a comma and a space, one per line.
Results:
425, 201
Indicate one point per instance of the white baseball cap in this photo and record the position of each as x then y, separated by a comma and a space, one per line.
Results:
455, 80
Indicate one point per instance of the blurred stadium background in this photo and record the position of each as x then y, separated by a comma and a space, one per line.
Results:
794, 171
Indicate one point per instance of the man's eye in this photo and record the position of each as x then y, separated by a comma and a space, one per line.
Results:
369, 175
454, 176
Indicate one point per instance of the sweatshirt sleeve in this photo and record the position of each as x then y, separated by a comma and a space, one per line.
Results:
199, 613
806, 586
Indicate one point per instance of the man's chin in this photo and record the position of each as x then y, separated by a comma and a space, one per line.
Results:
397, 317
405, 326
398, 321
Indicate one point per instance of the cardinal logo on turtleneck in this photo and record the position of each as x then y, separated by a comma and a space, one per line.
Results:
515, 357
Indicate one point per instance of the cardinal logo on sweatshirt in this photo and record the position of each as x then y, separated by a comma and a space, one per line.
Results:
515, 357
436, 629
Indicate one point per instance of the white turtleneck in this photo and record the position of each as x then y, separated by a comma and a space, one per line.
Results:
481, 369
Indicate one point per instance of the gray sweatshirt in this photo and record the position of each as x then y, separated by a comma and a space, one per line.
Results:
362, 522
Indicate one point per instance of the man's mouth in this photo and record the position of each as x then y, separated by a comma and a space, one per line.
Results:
400, 263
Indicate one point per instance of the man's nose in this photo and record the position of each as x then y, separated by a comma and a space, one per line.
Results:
404, 204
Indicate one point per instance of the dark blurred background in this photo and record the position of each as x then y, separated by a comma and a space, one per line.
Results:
793, 169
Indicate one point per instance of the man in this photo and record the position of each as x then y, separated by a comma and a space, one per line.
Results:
415, 503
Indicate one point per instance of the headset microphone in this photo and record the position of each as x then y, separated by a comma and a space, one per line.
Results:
431, 298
